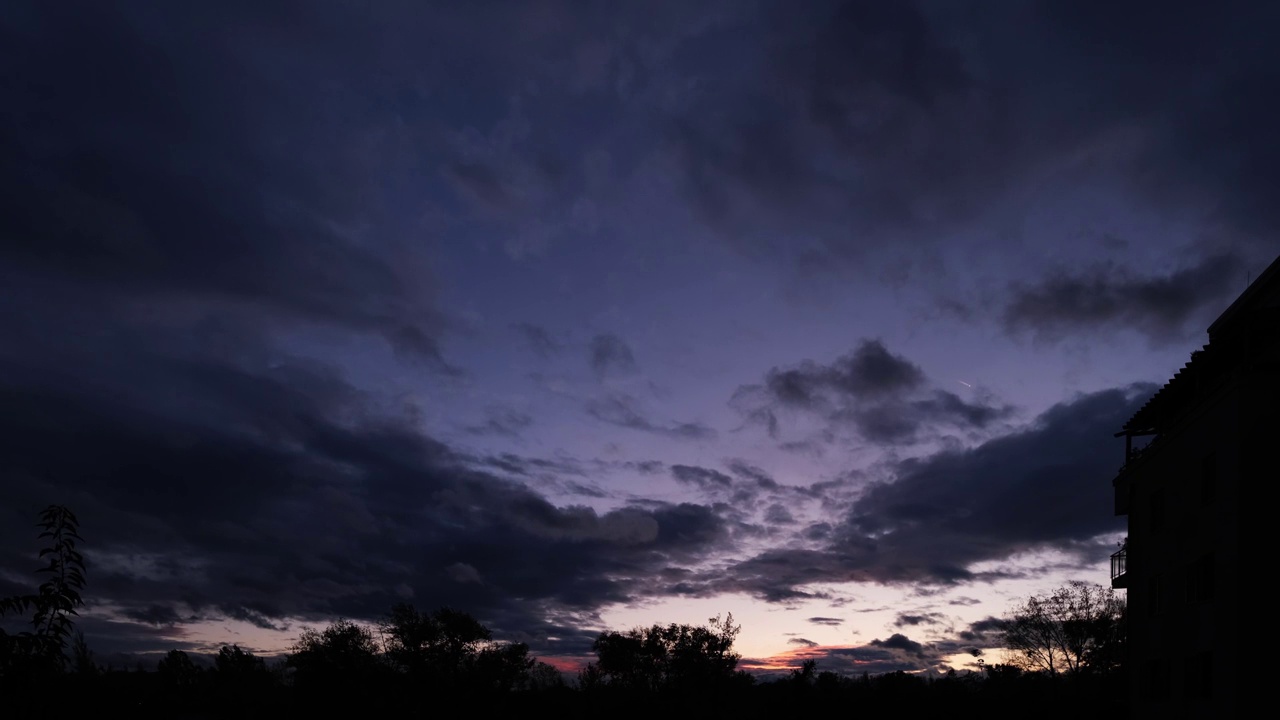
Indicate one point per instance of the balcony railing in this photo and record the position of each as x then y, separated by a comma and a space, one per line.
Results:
1118, 562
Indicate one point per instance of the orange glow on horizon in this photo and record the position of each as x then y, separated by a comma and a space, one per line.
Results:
568, 664
789, 659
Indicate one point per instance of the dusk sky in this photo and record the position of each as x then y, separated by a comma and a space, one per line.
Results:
580, 316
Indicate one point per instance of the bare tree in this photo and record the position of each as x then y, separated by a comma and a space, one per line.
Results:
1077, 628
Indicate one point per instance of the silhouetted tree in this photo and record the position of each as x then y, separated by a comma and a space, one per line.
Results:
806, 674
339, 667
440, 645
233, 662
344, 649
243, 685
672, 657
504, 667
176, 669
545, 677
1077, 628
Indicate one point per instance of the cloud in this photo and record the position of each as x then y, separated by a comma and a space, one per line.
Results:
896, 653
701, 477
1043, 486
192, 189
1110, 296
826, 621
1046, 486
750, 472
278, 493
157, 615
802, 641
865, 125
878, 657
902, 643
912, 620
884, 397
869, 372
463, 573
986, 630
778, 514
611, 356
623, 410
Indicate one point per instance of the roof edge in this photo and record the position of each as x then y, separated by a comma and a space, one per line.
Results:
1245, 297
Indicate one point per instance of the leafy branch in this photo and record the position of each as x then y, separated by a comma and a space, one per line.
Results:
55, 601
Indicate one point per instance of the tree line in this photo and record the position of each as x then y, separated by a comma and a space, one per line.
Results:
1065, 647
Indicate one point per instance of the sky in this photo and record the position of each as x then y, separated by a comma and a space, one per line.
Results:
580, 316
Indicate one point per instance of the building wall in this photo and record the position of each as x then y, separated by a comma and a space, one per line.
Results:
1183, 548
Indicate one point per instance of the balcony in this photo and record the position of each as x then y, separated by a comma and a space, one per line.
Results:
1118, 558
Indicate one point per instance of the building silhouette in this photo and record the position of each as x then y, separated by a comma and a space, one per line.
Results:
1196, 455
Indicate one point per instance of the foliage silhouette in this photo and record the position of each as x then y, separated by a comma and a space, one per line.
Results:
177, 670
674, 657
342, 649
42, 650
439, 645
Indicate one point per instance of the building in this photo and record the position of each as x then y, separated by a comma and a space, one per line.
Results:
1196, 455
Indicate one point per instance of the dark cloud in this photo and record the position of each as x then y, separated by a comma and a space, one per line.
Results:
883, 396
1038, 487
817, 531
805, 642
623, 410
191, 184
869, 372
898, 641
898, 653
1110, 296
157, 615
986, 630
257, 618
747, 471
703, 478
912, 620
778, 514
275, 494
1044, 487
826, 621
122, 643
648, 467
867, 125
611, 356
555, 472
